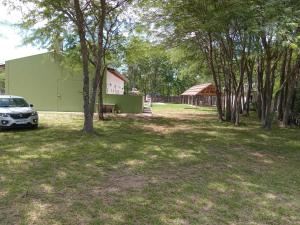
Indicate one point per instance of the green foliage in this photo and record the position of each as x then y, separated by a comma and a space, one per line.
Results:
154, 70
232, 37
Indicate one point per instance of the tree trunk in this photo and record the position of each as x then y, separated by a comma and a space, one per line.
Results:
259, 87
101, 92
239, 88
238, 110
287, 109
215, 77
266, 119
267, 98
228, 102
250, 68
291, 90
282, 80
100, 61
88, 119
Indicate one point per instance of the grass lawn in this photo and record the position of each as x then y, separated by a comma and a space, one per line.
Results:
179, 167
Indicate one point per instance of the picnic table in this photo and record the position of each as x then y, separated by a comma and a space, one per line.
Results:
107, 107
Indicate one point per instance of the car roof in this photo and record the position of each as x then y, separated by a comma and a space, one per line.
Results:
9, 96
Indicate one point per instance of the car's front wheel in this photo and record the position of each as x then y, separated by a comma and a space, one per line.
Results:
35, 126
3, 128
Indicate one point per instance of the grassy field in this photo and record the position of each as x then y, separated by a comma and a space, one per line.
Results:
179, 167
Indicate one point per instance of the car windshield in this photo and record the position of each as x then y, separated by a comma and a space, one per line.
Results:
13, 102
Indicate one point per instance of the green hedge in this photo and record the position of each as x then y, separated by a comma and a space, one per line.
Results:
125, 103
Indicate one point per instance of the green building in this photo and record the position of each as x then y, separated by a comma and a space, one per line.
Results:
49, 86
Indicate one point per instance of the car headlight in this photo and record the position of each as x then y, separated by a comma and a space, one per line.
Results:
4, 115
34, 113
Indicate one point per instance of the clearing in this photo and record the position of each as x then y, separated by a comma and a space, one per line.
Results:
179, 167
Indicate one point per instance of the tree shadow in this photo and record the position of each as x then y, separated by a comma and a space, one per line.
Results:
205, 173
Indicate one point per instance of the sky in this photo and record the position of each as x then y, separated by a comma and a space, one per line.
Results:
10, 39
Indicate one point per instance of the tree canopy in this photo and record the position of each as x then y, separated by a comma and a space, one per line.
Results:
248, 48
244, 43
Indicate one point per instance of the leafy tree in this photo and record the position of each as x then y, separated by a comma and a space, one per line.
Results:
88, 26
157, 71
236, 40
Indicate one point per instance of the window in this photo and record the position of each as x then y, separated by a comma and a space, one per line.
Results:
13, 102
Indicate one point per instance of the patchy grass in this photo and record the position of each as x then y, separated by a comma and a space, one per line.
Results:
179, 167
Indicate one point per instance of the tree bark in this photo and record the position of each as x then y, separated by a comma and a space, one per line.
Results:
268, 88
290, 94
98, 79
259, 87
88, 119
282, 91
215, 78
228, 100
101, 92
250, 68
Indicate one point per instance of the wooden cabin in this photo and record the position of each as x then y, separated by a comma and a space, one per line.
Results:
202, 94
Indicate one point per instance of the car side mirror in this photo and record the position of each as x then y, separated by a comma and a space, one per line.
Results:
31, 105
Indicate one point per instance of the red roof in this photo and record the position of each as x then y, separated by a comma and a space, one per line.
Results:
201, 89
117, 74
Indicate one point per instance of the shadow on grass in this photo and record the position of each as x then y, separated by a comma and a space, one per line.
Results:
204, 173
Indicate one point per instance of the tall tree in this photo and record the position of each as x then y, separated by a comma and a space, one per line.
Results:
238, 39
88, 24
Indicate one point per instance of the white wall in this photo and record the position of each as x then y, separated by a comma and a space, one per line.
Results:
114, 85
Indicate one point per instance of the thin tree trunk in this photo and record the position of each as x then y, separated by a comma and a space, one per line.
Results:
216, 80
282, 91
99, 61
101, 92
266, 119
291, 90
260, 74
88, 119
228, 101
287, 109
250, 85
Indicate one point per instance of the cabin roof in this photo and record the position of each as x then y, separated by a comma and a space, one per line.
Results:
207, 89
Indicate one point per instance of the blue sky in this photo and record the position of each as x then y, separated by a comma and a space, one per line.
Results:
10, 39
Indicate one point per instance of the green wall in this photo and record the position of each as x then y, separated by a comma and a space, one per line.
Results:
46, 84
2, 81
125, 103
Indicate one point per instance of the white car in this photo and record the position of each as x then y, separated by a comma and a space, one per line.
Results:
15, 111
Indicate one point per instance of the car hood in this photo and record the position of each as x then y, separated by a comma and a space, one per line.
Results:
16, 110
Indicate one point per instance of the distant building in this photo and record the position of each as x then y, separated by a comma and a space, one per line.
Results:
115, 82
201, 94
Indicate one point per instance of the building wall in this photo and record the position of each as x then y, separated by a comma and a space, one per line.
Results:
2, 81
43, 82
114, 85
